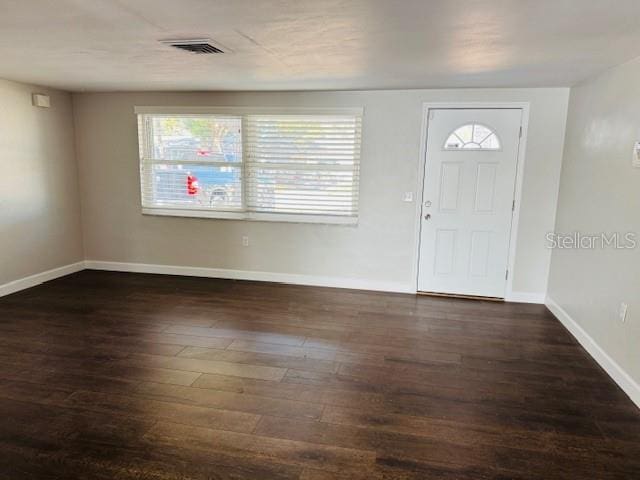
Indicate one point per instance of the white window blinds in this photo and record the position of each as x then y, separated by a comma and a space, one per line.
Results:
290, 167
303, 164
191, 162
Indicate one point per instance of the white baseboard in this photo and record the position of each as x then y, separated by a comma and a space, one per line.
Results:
38, 278
296, 279
525, 297
291, 278
615, 371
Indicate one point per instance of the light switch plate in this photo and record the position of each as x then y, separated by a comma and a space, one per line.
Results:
407, 197
636, 155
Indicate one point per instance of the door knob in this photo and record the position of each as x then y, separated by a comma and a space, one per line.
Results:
427, 216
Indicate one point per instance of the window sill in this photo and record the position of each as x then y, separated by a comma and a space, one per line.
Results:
252, 216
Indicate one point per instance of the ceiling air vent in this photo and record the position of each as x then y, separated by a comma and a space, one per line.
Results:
199, 45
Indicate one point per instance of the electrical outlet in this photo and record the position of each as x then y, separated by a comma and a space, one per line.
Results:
245, 240
622, 312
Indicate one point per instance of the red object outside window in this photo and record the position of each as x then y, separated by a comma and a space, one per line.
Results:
192, 185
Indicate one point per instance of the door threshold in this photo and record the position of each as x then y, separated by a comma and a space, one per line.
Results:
461, 296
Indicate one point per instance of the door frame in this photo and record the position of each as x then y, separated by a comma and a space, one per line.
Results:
517, 196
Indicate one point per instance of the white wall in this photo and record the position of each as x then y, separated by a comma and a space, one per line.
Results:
600, 192
379, 252
39, 201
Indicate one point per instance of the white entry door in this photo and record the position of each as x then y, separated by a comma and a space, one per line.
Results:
468, 200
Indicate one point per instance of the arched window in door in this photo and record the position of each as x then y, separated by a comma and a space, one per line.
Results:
472, 136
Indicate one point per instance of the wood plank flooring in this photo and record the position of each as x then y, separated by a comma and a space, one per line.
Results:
132, 376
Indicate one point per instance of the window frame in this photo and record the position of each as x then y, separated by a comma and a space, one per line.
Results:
243, 213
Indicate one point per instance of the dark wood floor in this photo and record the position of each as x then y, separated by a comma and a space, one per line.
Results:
130, 376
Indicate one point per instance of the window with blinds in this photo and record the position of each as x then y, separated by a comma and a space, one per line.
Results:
191, 162
277, 166
302, 164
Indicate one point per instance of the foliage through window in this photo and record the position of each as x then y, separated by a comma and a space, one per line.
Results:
292, 167
472, 137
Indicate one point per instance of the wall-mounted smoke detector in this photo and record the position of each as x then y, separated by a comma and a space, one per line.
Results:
196, 45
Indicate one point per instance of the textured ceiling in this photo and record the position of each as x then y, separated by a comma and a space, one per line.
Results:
314, 44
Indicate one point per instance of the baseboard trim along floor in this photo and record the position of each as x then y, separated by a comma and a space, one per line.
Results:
38, 278
613, 369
